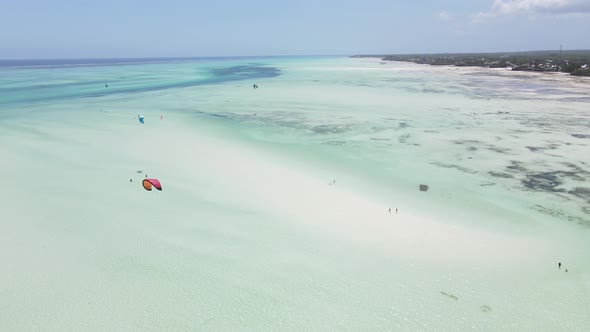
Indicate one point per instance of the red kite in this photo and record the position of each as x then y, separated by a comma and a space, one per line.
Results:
148, 183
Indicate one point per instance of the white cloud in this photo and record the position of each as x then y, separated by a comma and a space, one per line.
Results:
547, 7
454, 24
444, 16
480, 17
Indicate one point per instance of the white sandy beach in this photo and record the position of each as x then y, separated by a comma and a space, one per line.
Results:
254, 236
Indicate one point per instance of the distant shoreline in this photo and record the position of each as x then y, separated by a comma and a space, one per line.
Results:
575, 63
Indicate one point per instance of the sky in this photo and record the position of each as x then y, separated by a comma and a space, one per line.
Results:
45, 29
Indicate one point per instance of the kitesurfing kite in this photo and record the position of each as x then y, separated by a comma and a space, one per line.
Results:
149, 183
140, 117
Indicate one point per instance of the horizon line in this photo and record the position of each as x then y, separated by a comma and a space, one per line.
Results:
276, 56
174, 57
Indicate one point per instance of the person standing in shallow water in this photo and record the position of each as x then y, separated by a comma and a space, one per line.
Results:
559, 265
395, 210
389, 210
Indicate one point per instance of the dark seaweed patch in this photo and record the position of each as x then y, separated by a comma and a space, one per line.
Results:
500, 175
450, 296
327, 129
466, 141
335, 142
542, 182
471, 148
245, 71
576, 168
403, 125
581, 192
516, 166
377, 128
579, 220
497, 149
562, 215
461, 168
403, 138
551, 146
580, 135
431, 90
549, 181
548, 211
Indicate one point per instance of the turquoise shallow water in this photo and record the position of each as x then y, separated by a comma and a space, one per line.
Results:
502, 154
506, 141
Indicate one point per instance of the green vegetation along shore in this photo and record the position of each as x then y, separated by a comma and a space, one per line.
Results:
575, 62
